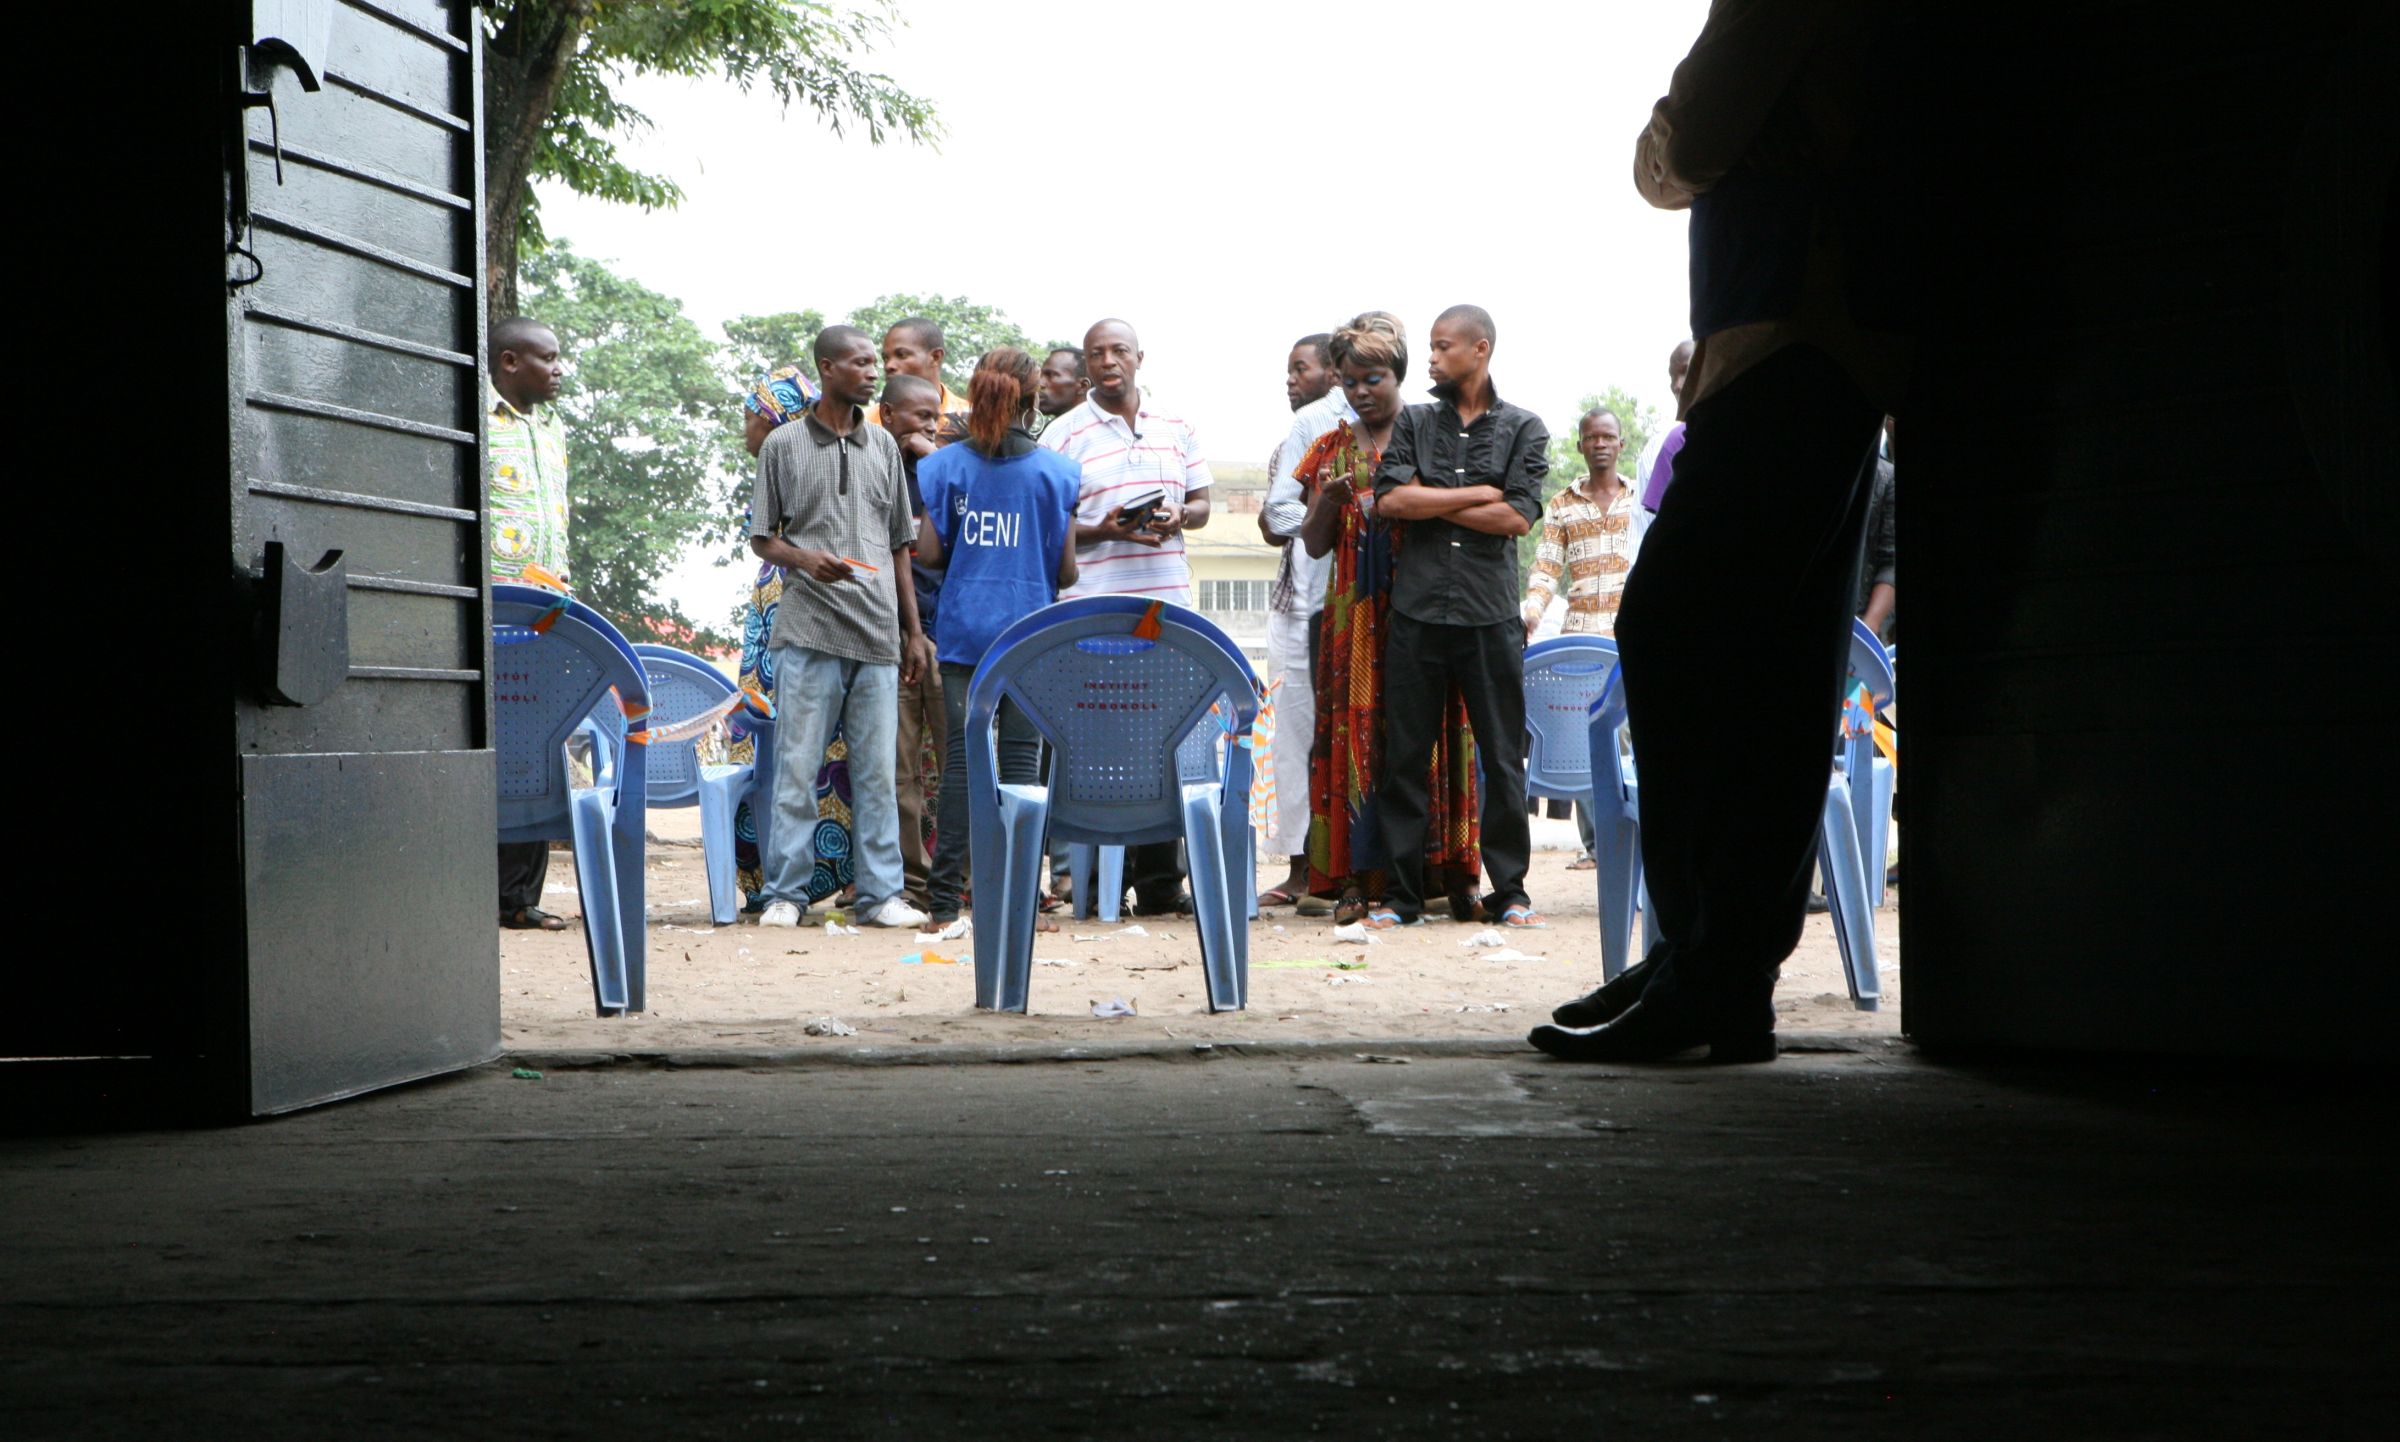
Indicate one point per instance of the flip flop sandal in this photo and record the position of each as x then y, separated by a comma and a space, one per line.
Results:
1352, 908
1584, 863
1276, 896
1383, 918
533, 918
1314, 906
1523, 918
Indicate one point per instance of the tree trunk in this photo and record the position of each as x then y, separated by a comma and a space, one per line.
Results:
523, 67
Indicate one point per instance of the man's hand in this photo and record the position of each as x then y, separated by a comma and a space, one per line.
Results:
1167, 520
916, 657
1114, 527
920, 443
1338, 490
822, 566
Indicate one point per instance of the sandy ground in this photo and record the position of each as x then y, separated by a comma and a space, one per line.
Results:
745, 987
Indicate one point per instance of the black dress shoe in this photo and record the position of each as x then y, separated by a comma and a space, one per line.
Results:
1608, 1001
1647, 1035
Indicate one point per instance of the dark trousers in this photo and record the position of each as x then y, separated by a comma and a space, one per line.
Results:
1020, 760
1420, 661
1733, 634
524, 866
923, 708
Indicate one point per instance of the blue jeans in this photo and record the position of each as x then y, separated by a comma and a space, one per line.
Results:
814, 692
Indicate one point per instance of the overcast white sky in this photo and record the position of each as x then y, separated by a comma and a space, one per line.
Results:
1227, 177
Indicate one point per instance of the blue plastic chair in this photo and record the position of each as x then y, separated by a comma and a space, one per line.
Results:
547, 687
1858, 788
1616, 845
1133, 727
1563, 677
682, 686
1107, 896
1870, 804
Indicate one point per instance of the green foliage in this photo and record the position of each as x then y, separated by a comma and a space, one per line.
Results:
758, 343
1637, 421
968, 329
655, 461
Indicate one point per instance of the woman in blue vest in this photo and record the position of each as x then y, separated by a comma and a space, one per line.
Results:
1000, 524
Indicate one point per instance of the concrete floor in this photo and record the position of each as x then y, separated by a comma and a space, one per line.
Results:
1847, 1243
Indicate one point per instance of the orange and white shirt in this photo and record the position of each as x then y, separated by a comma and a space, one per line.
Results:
1591, 548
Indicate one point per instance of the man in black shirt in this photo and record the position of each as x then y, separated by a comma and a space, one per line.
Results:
1461, 480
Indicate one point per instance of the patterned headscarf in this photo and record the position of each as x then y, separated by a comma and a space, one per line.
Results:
780, 394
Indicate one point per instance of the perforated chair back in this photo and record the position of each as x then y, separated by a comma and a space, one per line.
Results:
682, 686
1128, 720
544, 683
1563, 677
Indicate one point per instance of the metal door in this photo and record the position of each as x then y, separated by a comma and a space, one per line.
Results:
354, 320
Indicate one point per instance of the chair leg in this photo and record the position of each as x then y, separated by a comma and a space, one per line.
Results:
1213, 904
1112, 883
1009, 880
1616, 847
595, 879
1879, 840
1847, 898
628, 843
720, 790
1079, 880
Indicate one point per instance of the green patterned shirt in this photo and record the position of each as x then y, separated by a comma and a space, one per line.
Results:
525, 476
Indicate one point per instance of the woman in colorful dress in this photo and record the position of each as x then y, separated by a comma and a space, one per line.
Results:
776, 397
1345, 853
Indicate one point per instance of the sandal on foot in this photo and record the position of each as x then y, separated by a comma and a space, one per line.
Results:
1383, 918
532, 918
1352, 908
1314, 906
1523, 918
1584, 861
1276, 896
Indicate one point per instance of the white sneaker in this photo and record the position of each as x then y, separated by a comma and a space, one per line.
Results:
780, 913
895, 912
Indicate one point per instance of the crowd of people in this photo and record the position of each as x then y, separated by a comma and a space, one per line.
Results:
900, 527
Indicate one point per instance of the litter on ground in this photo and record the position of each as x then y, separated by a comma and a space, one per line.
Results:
1114, 1006
1486, 937
830, 1026
1357, 934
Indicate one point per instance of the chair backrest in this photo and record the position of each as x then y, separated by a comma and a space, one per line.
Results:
544, 684
1604, 723
1130, 719
1563, 677
682, 686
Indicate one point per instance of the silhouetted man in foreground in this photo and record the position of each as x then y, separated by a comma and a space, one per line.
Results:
1736, 623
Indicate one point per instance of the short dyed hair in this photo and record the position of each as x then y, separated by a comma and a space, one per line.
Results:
1371, 338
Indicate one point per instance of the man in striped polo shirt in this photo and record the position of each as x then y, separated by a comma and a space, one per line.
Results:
1128, 453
